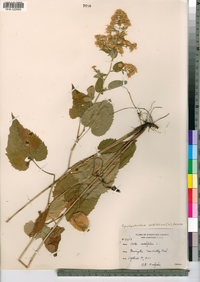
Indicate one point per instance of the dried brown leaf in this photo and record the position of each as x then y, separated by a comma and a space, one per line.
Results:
96, 182
56, 207
67, 184
81, 102
69, 203
39, 223
79, 221
91, 92
28, 227
43, 232
52, 242
23, 144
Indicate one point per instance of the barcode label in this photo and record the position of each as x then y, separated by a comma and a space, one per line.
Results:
14, 6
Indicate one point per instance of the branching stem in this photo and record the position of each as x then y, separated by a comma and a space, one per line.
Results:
74, 145
79, 134
30, 201
105, 169
51, 187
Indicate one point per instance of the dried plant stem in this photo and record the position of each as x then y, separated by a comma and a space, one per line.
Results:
109, 71
130, 97
59, 220
105, 170
74, 145
52, 182
24, 251
80, 135
135, 131
30, 201
50, 173
34, 198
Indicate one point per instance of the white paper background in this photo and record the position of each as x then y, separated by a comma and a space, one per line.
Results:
155, 248
46, 49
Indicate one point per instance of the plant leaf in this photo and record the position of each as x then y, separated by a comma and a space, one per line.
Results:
92, 177
65, 184
52, 242
88, 201
28, 227
124, 157
99, 74
22, 144
56, 207
113, 53
39, 223
81, 102
99, 117
116, 83
105, 144
99, 85
91, 91
43, 232
83, 170
79, 221
118, 66
127, 155
94, 184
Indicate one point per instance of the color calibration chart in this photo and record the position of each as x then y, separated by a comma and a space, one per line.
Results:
193, 194
194, 134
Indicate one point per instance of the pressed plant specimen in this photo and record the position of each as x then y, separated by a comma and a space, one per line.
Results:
75, 193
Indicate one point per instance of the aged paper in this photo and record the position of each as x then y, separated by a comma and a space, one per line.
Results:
153, 248
51, 46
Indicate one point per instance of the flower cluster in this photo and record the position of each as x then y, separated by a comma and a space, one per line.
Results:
129, 69
115, 34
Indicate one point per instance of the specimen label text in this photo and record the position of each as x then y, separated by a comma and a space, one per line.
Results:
152, 248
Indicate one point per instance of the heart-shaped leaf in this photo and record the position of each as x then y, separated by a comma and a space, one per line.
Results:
23, 144
99, 117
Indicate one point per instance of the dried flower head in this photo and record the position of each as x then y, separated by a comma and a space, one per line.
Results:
130, 69
114, 40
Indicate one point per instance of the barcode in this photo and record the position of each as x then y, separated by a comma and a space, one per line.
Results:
13, 5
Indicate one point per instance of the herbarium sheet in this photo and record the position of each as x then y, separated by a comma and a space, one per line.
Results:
93, 134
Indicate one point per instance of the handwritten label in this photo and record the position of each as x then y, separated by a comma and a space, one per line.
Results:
153, 248
152, 225
87, 5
